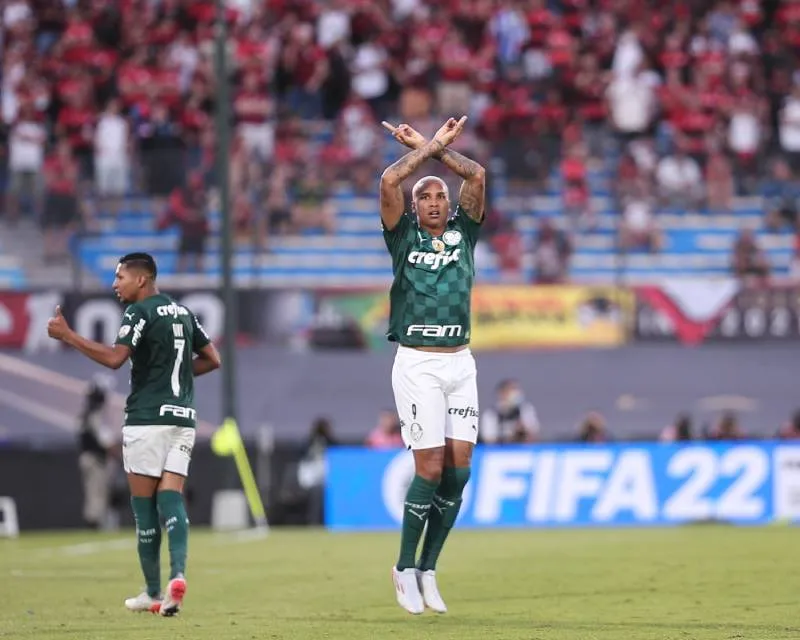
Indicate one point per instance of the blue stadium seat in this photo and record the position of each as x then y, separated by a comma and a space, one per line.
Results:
696, 244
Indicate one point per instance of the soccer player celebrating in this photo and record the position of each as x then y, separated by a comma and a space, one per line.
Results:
434, 376
158, 335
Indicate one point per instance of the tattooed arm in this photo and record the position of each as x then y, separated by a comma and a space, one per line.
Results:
471, 197
473, 189
392, 204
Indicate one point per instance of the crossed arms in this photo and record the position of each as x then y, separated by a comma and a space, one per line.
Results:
472, 193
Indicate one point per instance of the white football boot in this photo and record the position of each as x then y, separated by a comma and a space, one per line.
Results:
173, 599
407, 590
430, 592
143, 602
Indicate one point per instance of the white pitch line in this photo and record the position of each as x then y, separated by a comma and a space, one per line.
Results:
88, 548
124, 544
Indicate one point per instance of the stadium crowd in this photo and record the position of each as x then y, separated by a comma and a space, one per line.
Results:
688, 102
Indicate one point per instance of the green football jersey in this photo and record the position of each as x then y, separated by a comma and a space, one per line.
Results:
431, 293
162, 336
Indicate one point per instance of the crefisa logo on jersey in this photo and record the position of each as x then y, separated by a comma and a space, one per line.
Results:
469, 412
137, 331
434, 260
173, 310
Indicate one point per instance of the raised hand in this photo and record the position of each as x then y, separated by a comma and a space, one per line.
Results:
406, 135
450, 130
57, 326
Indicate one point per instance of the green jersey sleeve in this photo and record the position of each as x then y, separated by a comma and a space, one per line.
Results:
467, 225
397, 237
132, 327
200, 338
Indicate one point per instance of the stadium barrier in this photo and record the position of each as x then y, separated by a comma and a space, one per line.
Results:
694, 311
45, 484
689, 311
24, 314
506, 316
751, 482
503, 316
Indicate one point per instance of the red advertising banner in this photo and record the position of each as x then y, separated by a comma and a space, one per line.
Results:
697, 311
14, 319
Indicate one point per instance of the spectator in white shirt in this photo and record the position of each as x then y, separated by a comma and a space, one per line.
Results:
112, 155
509, 29
26, 143
741, 42
639, 229
16, 14
185, 56
12, 76
679, 180
402, 9
370, 78
628, 55
789, 129
745, 135
358, 124
631, 101
333, 24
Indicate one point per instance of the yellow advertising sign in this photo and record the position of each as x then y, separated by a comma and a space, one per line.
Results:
549, 316
516, 316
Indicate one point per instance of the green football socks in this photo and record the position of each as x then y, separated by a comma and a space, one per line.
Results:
446, 503
148, 534
173, 514
415, 514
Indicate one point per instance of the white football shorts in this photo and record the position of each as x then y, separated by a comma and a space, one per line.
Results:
436, 396
152, 450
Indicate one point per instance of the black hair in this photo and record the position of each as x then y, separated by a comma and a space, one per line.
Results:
143, 261
505, 384
94, 400
683, 427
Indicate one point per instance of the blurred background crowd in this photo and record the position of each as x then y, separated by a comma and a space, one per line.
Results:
684, 105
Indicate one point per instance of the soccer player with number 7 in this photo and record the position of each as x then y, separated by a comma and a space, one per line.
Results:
158, 336
434, 377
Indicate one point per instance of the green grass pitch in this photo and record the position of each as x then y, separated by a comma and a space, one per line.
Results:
693, 583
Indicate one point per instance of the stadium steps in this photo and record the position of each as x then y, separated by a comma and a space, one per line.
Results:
22, 264
12, 272
695, 244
